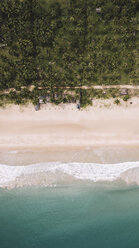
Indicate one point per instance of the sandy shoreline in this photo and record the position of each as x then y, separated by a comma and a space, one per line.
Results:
65, 126
59, 142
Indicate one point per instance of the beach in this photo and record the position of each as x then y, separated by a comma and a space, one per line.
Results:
69, 124
65, 126
63, 144
69, 178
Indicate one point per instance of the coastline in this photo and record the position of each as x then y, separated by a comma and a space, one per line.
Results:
66, 127
60, 144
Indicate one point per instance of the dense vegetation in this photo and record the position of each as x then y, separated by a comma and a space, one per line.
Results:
55, 44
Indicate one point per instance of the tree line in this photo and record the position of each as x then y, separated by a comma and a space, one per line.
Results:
59, 43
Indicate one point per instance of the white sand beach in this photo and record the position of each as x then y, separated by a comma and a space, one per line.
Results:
104, 123
103, 134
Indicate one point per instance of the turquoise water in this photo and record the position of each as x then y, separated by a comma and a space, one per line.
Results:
74, 216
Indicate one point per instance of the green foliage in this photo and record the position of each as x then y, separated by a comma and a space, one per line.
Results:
117, 101
65, 43
126, 98
85, 98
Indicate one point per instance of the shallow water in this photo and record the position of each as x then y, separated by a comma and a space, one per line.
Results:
91, 203
74, 216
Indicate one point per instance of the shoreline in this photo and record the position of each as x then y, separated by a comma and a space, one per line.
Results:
63, 127
61, 144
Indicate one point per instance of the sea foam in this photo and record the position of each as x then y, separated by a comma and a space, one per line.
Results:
56, 172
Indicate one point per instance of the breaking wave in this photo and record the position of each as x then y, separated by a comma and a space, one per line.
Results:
53, 173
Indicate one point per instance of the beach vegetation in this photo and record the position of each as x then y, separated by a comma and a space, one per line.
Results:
126, 98
117, 101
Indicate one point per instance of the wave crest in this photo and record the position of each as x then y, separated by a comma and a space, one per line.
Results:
54, 173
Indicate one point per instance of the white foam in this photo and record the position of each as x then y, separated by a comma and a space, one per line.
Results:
98, 172
83, 171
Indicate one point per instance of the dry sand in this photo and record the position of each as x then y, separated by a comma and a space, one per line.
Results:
102, 134
64, 126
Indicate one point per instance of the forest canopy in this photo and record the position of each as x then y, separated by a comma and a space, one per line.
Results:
68, 43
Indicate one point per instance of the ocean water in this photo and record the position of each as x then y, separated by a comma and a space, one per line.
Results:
84, 216
74, 203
